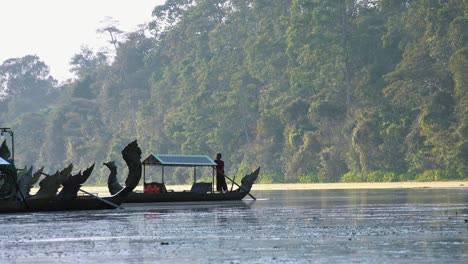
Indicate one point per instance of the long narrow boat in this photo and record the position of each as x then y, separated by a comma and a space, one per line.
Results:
154, 192
48, 200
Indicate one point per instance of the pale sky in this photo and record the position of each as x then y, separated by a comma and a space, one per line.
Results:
54, 30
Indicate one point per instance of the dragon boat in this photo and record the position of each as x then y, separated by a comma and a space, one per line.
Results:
15, 188
154, 192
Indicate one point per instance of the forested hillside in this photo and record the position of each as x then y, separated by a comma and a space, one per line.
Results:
311, 91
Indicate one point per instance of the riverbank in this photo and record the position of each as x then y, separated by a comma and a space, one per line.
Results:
361, 185
102, 190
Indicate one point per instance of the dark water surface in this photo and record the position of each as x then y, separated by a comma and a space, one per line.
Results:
311, 226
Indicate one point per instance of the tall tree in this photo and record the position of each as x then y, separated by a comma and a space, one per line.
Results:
25, 85
422, 83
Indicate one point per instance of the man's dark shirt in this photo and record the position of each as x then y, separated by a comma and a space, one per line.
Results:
219, 167
220, 180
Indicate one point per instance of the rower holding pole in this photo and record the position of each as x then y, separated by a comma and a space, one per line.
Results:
221, 185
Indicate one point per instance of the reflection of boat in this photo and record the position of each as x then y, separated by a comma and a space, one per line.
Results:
200, 191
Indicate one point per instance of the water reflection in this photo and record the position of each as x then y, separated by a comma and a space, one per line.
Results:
369, 226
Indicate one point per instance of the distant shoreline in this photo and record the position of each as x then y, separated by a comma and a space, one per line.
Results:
360, 185
102, 190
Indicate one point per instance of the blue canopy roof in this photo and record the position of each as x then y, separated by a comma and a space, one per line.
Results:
3, 162
178, 160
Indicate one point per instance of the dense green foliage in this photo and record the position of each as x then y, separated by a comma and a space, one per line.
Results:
311, 91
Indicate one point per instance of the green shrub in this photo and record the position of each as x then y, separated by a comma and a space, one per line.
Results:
391, 177
428, 175
266, 178
440, 175
376, 176
406, 176
353, 176
309, 178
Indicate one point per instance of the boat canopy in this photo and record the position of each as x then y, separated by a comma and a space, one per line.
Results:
171, 160
178, 160
3, 162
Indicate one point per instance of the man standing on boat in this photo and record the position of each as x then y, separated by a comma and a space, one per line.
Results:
221, 185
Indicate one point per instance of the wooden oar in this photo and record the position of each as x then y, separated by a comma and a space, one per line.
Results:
102, 200
239, 187
232, 184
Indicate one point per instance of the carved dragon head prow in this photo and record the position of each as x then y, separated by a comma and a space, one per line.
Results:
132, 156
248, 180
113, 184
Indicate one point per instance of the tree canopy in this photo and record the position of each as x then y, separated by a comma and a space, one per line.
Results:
311, 91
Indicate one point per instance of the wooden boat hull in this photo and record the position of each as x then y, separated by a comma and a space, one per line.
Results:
182, 197
41, 205
197, 194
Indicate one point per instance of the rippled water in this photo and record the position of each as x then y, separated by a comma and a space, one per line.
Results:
312, 226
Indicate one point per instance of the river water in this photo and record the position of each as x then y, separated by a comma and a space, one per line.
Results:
306, 226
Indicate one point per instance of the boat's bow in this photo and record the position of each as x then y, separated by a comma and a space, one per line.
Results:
112, 182
132, 156
248, 181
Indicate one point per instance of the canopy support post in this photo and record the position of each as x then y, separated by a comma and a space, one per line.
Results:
194, 174
144, 176
212, 182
